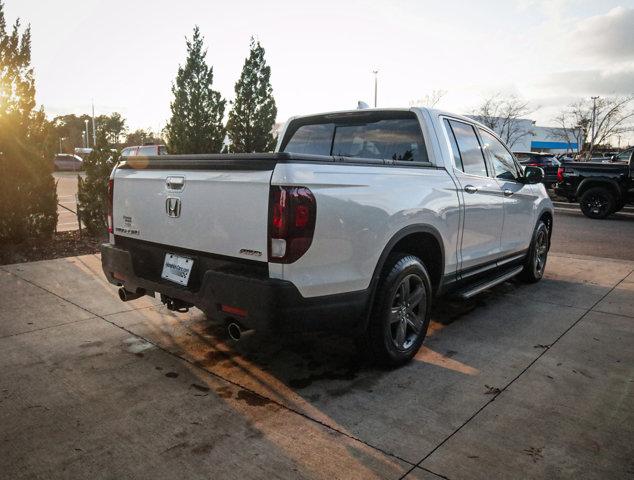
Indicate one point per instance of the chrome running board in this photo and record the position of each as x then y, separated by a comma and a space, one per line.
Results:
480, 287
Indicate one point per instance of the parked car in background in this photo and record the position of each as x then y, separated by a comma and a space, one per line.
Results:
601, 188
356, 222
546, 161
68, 162
144, 151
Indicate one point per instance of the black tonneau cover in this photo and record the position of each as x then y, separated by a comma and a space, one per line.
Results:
247, 161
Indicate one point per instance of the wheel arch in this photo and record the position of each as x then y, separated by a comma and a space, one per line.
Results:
425, 242
589, 183
547, 217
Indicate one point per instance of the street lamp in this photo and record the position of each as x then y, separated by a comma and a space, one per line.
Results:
86, 121
376, 74
61, 139
594, 118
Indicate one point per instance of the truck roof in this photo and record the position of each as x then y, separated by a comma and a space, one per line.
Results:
432, 111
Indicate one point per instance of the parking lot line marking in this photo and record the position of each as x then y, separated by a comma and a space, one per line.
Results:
494, 396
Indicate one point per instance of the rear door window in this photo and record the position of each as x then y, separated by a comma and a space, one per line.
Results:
469, 150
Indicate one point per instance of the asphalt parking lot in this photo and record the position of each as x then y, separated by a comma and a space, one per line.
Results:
526, 381
67, 200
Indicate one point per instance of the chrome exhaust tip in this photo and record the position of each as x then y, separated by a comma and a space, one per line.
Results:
234, 331
126, 295
237, 332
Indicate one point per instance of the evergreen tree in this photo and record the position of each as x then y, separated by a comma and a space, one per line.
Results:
27, 188
251, 120
197, 109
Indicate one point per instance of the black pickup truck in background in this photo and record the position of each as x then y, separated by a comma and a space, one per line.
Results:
601, 188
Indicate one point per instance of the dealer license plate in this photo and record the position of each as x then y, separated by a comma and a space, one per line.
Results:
177, 269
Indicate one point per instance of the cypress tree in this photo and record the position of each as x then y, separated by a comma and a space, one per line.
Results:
197, 109
27, 188
253, 113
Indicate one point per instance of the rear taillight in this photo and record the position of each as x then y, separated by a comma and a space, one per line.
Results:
560, 174
292, 214
110, 201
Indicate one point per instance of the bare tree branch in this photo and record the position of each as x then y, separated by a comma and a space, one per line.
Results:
612, 116
430, 100
503, 115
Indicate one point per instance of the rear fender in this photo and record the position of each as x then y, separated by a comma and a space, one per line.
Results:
611, 185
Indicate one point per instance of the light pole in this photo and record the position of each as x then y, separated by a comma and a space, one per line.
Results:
86, 122
376, 74
61, 139
594, 116
94, 130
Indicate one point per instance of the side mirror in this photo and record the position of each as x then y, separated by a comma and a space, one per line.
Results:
533, 175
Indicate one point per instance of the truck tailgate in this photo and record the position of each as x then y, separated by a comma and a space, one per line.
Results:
223, 212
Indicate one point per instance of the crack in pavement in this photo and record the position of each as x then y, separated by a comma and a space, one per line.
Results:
503, 389
414, 466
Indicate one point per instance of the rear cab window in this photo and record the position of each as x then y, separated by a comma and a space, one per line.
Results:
393, 136
129, 151
147, 150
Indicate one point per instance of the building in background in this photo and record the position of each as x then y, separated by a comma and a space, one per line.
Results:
529, 137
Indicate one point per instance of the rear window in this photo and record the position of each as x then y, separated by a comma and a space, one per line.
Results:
375, 138
312, 139
147, 150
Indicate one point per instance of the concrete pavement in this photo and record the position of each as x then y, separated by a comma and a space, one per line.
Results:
531, 381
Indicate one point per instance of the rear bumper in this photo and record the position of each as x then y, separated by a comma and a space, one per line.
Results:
271, 304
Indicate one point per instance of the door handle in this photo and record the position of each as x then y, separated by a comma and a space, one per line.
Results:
470, 189
508, 193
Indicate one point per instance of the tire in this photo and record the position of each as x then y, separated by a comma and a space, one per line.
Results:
401, 311
537, 254
620, 205
597, 202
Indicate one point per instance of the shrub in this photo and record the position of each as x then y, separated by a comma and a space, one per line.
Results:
93, 191
28, 198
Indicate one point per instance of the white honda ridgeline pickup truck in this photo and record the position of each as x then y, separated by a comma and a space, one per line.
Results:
356, 222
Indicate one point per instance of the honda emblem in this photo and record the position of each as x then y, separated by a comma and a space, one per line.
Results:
173, 207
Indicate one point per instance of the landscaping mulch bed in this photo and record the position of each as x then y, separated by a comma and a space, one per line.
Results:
63, 244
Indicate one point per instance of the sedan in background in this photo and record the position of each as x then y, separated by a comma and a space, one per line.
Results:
65, 162
546, 161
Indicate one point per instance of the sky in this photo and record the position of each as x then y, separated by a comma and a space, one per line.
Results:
125, 54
